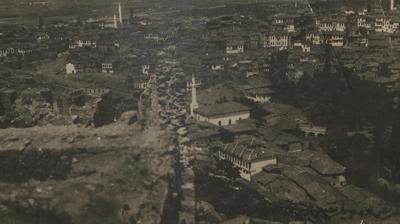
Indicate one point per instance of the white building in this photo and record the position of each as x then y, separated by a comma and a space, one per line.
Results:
276, 40
7, 51
145, 69
223, 114
141, 82
385, 25
70, 68
107, 68
79, 43
363, 22
314, 38
234, 47
250, 155
335, 39
331, 26
303, 46
289, 28
217, 67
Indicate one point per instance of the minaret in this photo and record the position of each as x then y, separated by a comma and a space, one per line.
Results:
120, 13
193, 105
115, 21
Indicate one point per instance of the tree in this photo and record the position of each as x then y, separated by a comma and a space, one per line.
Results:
40, 22
228, 168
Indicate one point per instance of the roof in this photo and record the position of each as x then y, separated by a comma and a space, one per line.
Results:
283, 189
277, 137
7, 91
252, 149
354, 193
203, 134
319, 162
222, 109
280, 122
217, 93
326, 166
325, 196
283, 109
241, 127
264, 178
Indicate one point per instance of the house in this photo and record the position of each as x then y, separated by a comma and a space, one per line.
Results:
286, 22
223, 114
91, 62
107, 67
213, 61
250, 155
282, 139
243, 127
108, 45
82, 63
152, 36
234, 46
89, 41
140, 82
217, 66
282, 116
256, 88
253, 41
325, 196
304, 47
335, 39
309, 128
276, 40
203, 133
248, 67
331, 25
314, 38
385, 25
364, 22
7, 51
217, 94
70, 68
289, 28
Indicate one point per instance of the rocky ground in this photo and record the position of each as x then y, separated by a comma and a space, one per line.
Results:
69, 174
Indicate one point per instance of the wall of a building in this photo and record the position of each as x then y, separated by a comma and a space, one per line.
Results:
256, 167
224, 120
245, 171
235, 50
70, 68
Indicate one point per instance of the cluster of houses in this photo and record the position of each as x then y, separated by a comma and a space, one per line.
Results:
269, 152
246, 45
34, 42
93, 53
274, 161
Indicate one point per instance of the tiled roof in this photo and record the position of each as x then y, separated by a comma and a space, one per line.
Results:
222, 109
252, 149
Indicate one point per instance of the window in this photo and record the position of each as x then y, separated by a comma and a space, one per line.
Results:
219, 123
230, 121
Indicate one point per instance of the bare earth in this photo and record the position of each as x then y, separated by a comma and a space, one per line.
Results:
115, 171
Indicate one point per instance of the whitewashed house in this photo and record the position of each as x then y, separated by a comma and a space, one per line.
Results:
249, 155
